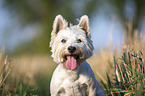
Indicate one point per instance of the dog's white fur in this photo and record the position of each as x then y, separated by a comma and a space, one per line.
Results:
81, 80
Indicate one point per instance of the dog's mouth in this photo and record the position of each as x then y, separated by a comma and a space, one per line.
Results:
75, 57
71, 61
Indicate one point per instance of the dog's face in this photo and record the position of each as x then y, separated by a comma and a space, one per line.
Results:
71, 45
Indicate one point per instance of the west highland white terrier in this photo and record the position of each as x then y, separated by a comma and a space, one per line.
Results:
71, 46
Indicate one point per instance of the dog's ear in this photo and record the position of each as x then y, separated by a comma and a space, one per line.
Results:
84, 24
59, 24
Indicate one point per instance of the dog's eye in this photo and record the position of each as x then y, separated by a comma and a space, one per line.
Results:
79, 41
63, 40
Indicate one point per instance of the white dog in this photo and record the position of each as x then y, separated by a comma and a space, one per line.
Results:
71, 46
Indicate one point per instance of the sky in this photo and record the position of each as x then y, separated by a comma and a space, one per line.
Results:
11, 35
104, 29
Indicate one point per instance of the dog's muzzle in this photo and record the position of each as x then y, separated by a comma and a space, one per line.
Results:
71, 49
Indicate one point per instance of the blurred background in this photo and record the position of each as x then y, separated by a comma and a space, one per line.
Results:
25, 27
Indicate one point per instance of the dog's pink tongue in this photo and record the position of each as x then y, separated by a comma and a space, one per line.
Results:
71, 63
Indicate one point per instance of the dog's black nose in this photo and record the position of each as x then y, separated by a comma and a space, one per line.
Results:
71, 49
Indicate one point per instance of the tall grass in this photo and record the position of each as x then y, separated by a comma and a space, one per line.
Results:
27, 75
31, 75
129, 76
5, 69
129, 71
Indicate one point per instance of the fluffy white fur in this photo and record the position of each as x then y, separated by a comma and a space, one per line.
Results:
81, 80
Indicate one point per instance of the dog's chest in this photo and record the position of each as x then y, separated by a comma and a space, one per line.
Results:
73, 87
71, 83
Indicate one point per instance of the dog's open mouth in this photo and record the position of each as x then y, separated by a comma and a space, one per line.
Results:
75, 57
71, 61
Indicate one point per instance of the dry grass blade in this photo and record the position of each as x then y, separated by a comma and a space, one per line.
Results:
5, 77
5, 70
102, 78
129, 69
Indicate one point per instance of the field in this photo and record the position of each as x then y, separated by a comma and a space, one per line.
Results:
120, 72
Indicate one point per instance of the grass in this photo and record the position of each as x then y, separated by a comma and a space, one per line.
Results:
128, 70
34, 74
5, 69
26, 76
129, 76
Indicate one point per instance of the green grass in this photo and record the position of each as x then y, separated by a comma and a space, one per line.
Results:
128, 78
29, 76
128, 74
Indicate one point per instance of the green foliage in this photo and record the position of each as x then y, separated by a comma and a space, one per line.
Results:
129, 75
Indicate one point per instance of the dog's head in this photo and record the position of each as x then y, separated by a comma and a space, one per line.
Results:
71, 45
